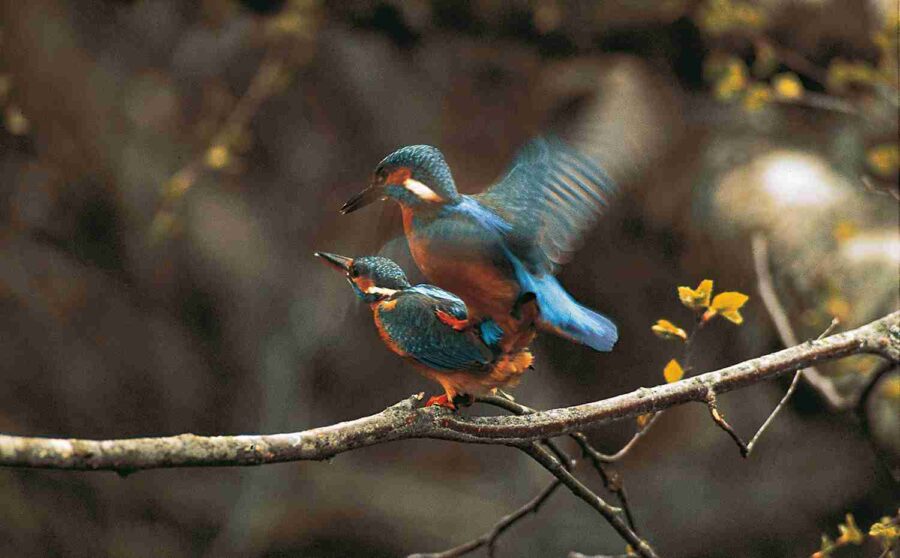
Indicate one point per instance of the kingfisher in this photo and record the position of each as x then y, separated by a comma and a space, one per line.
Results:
431, 328
499, 247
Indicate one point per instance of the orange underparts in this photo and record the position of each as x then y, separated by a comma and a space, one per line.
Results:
451, 321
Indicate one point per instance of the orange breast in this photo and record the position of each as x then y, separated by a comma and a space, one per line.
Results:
377, 310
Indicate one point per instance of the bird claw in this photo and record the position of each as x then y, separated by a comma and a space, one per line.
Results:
440, 401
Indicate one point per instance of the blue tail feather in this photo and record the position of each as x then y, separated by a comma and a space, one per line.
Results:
561, 314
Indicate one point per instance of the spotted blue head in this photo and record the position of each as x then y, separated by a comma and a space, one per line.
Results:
415, 176
372, 278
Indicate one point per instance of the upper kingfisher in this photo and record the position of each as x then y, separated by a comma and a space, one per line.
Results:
432, 328
494, 248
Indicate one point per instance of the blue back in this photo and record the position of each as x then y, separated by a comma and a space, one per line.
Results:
412, 324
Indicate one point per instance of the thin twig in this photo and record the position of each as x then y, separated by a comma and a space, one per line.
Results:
719, 419
489, 539
819, 382
612, 481
610, 513
787, 395
642, 431
821, 102
886, 191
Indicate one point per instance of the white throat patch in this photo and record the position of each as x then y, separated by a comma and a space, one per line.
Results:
421, 191
380, 291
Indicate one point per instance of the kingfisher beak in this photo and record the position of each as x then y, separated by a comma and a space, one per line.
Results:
341, 263
371, 194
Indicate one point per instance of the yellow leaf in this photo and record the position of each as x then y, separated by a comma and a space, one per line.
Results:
850, 533
668, 330
217, 157
733, 80
673, 371
886, 530
787, 86
844, 230
756, 97
642, 420
839, 308
890, 389
698, 298
16, 122
884, 159
728, 305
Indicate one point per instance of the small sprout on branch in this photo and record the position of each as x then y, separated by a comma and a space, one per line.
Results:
887, 532
667, 330
850, 534
696, 299
673, 371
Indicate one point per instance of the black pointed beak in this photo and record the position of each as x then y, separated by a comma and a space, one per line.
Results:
371, 194
341, 263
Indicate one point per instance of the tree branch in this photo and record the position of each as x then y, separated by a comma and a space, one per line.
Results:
611, 481
404, 420
611, 514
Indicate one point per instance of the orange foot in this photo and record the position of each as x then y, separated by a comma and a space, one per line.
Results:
440, 401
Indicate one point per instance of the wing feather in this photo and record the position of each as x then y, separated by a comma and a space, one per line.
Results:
414, 326
551, 196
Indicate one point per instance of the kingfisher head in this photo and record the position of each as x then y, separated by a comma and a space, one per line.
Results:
415, 175
373, 278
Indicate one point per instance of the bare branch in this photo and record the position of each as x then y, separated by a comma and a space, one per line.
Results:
404, 420
787, 395
642, 431
611, 481
719, 419
611, 514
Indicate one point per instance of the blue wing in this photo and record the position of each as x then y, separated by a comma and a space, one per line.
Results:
413, 325
550, 197
443, 300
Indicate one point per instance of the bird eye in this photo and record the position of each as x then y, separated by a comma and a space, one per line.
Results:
354, 272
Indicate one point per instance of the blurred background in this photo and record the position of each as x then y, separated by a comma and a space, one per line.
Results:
168, 168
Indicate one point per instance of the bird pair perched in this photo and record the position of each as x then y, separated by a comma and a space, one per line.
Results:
493, 258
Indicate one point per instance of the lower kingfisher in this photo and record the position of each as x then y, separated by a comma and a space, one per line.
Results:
431, 327
494, 248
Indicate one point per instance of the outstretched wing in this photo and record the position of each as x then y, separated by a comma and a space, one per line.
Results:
551, 196
414, 326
